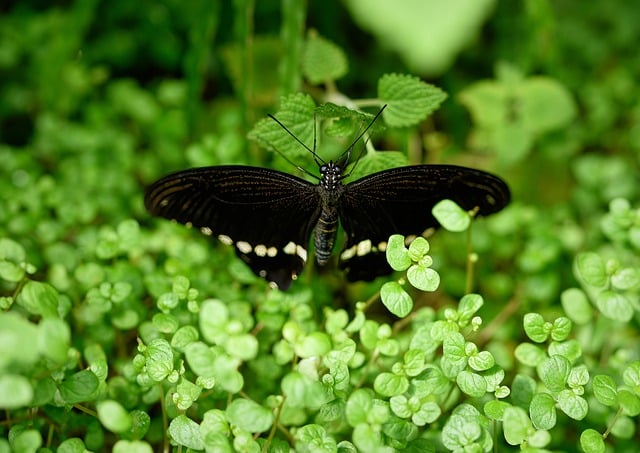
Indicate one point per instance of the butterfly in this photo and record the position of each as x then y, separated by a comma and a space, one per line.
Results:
269, 216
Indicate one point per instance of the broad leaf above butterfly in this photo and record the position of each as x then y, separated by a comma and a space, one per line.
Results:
269, 216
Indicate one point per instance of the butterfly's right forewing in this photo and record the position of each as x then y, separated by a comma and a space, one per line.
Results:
267, 215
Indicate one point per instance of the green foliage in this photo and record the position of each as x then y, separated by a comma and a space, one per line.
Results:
122, 333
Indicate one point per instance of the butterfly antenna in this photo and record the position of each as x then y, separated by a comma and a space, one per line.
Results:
317, 158
344, 159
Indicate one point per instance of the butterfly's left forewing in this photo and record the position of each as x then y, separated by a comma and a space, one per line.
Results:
400, 200
267, 215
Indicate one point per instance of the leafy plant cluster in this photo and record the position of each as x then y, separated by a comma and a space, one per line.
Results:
124, 333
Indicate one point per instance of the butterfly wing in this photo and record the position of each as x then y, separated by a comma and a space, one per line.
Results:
267, 215
399, 200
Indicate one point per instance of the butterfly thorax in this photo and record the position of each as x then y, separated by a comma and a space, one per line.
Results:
330, 189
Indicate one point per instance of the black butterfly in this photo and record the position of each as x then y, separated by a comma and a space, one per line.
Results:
269, 215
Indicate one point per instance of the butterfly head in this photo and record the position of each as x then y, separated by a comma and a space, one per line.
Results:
331, 175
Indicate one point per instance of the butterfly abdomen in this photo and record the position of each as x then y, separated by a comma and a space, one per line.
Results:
330, 189
325, 234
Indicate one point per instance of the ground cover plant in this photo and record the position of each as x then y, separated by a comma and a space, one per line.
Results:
121, 332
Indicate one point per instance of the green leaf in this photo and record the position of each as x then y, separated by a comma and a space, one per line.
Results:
397, 253
576, 306
590, 269
554, 372
578, 377
494, 409
451, 216
396, 299
12, 260
214, 316
390, 384
573, 405
126, 446
54, 339
302, 391
629, 402
626, 279
17, 347
113, 416
523, 389
454, 359
469, 305
159, 359
561, 329
323, 61
409, 100
605, 389
358, 406
15, 391
461, 432
536, 328
296, 113
429, 412
423, 278
183, 337
200, 358
314, 437
472, 384
373, 162
529, 354
516, 426
185, 431
27, 440
312, 345
249, 416
569, 349
543, 411
592, 441
39, 299
615, 306
79, 387
481, 361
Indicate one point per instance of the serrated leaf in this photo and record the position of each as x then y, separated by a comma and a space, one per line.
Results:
296, 113
375, 162
323, 61
409, 100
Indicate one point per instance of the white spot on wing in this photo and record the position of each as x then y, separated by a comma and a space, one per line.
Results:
301, 252
225, 239
260, 250
206, 230
272, 251
290, 249
382, 246
244, 247
348, 253
363, 247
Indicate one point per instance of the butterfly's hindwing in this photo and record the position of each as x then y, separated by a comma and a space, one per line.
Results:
400, 200
267, 215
